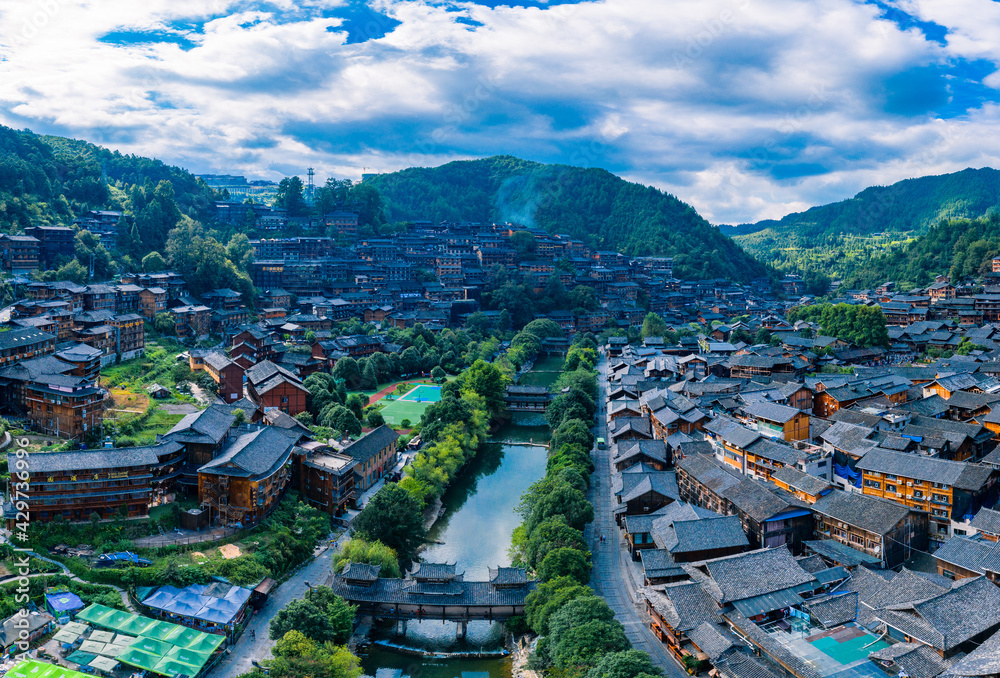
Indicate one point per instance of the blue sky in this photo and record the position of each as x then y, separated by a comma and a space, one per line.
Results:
747, 109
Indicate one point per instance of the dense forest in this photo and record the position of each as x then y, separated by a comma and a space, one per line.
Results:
51, 180
881, 220
593, 205
961, 248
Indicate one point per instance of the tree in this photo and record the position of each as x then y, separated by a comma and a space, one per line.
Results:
550, 534
163, 323
524, 244
320, 615
565, 500
154, 263
374, 418
488, 382
543, 328
347, 370
565, 562
628, 664
91, 253
240, 251
410, 361
356, 404
438, 374
548, 598
290, 197
572, 432
369, 376
373, 553
653, 326
393, 517
296, 656
583, 297
584, 645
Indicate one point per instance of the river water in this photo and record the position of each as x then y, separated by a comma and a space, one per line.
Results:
474, 533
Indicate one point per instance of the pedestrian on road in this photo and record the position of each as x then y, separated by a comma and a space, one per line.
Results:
253, 635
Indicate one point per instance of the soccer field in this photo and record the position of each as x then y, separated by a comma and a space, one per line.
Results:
411, 405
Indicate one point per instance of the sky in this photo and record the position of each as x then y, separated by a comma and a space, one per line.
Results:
746, 109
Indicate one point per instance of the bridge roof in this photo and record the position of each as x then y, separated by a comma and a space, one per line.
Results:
410, 592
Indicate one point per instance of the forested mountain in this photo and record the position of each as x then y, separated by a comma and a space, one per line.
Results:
843, 236
51, 180
960, 248
593, 205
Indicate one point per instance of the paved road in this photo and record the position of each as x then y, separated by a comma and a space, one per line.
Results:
246, 650
611, 577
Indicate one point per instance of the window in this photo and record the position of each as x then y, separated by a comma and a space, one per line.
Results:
873, 484
948, 573
890, 488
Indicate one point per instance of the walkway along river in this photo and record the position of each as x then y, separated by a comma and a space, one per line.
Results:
474, 533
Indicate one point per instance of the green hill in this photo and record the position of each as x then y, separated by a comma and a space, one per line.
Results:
843, 236
51, 180
960, 248
592, 205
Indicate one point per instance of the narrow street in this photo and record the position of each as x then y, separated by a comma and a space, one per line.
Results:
241, 656
611, 577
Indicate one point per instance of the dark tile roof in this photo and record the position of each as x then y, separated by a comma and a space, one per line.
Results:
630, 449
954, 473
12, 339
772, 411
950, 619
684, 605
254, 455
267, 370
983, 661
369, 445
453, 593
84, 460
209, 426
916, 660
878, 516
708, 533
834, 610
715, 640
986, 520
755, 573
740, 665
659, 563
843, 554
971, 553
800, 480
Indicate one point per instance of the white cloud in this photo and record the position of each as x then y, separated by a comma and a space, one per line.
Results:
745, 108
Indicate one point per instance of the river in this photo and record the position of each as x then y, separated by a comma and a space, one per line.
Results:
474, 533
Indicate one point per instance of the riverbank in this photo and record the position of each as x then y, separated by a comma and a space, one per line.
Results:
472, 532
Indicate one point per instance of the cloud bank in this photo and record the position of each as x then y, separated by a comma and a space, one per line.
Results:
747, 109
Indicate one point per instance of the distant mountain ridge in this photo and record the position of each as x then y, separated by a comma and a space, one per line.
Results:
908, 205
838, 238
592, 205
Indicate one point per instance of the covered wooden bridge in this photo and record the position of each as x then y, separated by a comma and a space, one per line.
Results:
434, 591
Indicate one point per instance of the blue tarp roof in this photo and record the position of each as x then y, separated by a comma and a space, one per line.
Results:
216, 603
64, 602
124, 556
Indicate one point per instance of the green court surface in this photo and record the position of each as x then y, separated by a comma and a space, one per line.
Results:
423, 393
848, 651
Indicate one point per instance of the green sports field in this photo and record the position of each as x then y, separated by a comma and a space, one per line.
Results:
411, 405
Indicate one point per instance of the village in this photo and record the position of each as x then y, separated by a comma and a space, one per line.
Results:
776, 501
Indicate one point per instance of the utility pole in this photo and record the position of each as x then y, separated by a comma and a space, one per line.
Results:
310, 191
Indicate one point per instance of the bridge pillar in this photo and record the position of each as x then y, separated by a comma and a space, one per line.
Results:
463, 629
400, 627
